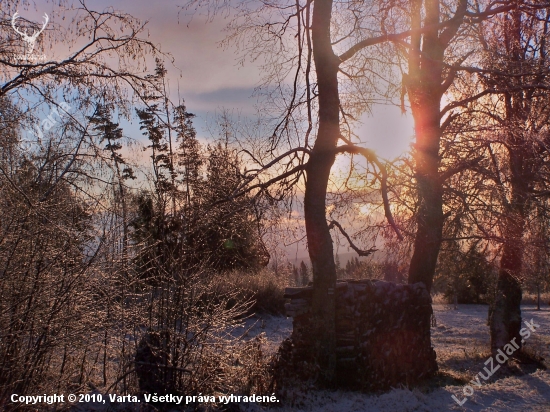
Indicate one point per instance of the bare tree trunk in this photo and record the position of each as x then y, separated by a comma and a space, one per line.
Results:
505, 319
430, 212
318, 170
122, 193
425, 89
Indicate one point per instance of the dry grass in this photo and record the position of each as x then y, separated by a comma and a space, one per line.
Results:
263, 287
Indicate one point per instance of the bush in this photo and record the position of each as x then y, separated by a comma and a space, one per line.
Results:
465, 274
264, 288
188, 346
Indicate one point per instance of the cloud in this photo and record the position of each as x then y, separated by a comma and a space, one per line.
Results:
240, 98
194, 44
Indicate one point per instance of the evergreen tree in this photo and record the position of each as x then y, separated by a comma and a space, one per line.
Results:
295, 275
155, 132
230, 230
304, 273
189, 163
207, 227
340, 271
111, 135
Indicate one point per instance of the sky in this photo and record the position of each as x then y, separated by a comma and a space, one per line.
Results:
209, 78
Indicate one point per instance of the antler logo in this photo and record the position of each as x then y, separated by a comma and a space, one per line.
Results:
29, 39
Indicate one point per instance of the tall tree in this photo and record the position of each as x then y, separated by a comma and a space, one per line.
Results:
111, 134
426, 83
228, 233
515, 73
189, 156
333, 39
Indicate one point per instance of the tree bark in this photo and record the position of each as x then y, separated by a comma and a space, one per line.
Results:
430, 212
317, 174
424, 86
505, 316
505, 320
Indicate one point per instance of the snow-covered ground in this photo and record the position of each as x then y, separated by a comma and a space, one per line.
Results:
461, 340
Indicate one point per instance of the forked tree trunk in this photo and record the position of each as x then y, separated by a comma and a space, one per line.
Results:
425, 89
317, 173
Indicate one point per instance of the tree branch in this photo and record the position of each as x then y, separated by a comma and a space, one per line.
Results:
371, 157
459, 16
360, 252
454, 170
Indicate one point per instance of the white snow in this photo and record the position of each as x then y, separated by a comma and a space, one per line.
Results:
461, 340
275, 328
